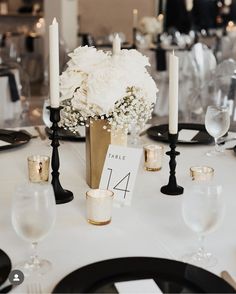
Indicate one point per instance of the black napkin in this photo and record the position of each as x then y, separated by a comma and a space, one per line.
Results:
29, 43
12, 85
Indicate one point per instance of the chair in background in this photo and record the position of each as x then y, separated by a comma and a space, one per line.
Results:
10, 88
225, 86
14, 86
161, 77
203, 65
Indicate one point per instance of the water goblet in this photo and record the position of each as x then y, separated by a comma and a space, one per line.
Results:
135, 129
217, 122
33, 216
202, 210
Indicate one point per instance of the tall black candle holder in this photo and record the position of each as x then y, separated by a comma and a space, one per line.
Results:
61, 195
134, 46
172, 188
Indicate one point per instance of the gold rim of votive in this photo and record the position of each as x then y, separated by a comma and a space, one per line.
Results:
152, 169
109, 194
201, 171
38, 157
99, 223
156, 147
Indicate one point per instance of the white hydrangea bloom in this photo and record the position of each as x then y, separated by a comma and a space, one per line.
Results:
150, 25
99, 84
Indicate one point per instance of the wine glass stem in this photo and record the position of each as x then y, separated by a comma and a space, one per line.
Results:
217, 147
34, 255
201, 248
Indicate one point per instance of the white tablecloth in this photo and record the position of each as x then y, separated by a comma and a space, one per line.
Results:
151, 226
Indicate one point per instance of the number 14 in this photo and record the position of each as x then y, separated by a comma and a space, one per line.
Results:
124, 180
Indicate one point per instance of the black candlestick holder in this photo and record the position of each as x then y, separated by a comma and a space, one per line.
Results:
134, 46
61, 195
172, 188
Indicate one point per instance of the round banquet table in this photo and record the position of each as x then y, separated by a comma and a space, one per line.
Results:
151, 226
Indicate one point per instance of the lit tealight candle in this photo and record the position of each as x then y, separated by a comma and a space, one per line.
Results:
201, 173
153, 155
99, 206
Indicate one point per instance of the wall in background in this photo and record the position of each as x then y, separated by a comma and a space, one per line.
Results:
102, 17
13, 5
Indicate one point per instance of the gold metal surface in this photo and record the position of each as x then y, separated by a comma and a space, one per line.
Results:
97, 142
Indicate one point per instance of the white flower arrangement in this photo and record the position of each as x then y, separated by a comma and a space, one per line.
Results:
100, 85
150, 25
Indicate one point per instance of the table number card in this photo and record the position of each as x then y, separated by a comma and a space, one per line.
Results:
119, 172
138, 286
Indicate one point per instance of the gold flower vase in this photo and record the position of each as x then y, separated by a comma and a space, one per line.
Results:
98, 140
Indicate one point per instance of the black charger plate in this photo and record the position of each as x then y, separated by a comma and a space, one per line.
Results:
66, 135
13, 138
160, 133
171, 276
5, 266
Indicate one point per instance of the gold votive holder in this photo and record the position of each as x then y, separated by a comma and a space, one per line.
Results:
99, 206
201, 173
153, 156
38, 168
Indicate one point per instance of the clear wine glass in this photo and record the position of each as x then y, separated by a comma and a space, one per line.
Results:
33, 216
135, 130
202, 210
217, 122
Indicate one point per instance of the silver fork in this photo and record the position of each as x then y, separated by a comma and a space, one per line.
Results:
34, 288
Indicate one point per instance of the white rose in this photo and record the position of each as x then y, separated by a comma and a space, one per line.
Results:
69, 81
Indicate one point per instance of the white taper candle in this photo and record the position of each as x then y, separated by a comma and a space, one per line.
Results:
116, 45
54, 63
135, 18
173, 93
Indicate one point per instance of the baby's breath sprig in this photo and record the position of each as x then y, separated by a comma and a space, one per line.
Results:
132, 109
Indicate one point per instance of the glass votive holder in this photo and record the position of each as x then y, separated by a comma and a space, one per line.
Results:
153, 156
38, 168
201, 173
99, 206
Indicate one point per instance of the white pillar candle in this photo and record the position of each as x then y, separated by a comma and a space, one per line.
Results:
116, 45
135, 18
54, 63
173, 93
